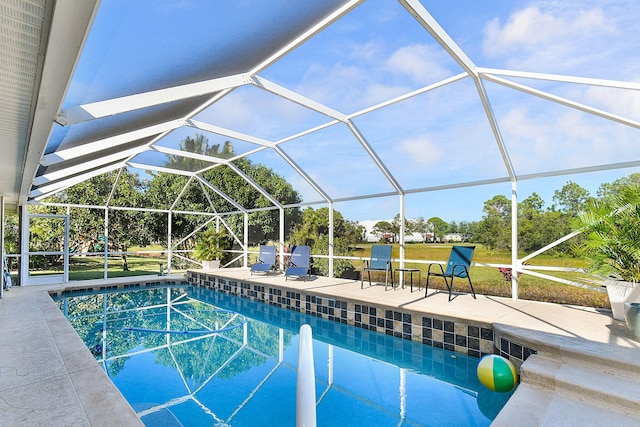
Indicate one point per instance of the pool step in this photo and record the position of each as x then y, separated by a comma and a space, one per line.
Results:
532, 406
601, 385
582, 391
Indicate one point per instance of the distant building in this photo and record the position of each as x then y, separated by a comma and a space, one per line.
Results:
452, 237
371, 237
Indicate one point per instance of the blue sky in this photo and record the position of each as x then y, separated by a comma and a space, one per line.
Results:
378, 52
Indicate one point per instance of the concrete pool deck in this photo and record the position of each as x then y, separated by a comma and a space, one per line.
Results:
586, 372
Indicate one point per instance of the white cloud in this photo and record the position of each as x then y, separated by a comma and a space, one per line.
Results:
420, 62
530, 28
552, 37
623, 102
421, 151
563, 138
373, 73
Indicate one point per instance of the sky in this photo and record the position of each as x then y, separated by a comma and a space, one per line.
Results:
376, 53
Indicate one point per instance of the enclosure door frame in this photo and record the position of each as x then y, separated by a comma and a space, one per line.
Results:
26, 278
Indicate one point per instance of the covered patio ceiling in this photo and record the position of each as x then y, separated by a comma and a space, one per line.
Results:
394, 93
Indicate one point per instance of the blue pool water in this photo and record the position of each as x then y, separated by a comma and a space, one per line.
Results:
186, 356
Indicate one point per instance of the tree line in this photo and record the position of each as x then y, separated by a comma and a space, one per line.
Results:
537, 226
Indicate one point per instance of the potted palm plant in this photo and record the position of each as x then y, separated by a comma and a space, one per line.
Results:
612, 245
210, 246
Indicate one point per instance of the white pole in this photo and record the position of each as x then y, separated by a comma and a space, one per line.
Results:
331, 231
65, 246
106, 244
245, 261
514, 240
281, 238
306, 381
402, 231
24, 246
169, 241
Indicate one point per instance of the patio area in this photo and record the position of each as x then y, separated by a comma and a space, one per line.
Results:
586, 370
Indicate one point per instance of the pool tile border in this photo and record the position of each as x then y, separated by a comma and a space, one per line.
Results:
457, 335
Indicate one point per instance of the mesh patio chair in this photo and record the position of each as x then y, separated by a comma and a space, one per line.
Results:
457, 266
299, 263
380, 261
266, 260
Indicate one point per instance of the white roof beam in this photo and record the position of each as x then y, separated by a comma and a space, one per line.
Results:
285, 50
230, 133
586, 169
206, 194
410, 95
102, 144
123, 104
365, 197
72, 170
493, 123
537, 175
616, 84
374, 157
184, 188
159, 169
220, 193
187, 154
54, 187
255, 185
298, 99
308, 132
439, 34
303, 174
375, 107
460, 185
563, 101
312, 31
114, 187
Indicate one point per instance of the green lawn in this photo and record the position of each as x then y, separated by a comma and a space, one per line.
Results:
486, 281
490, 281
91, 267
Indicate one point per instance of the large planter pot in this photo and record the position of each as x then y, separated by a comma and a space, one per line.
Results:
621, 292
210, 265
632, 317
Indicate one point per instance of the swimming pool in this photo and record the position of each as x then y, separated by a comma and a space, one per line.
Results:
183, 355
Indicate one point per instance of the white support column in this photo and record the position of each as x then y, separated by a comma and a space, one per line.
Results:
24, 246
514, 240
246, 239
106, 244
169, 242
65, 246
402, 231
281, 237
331, 232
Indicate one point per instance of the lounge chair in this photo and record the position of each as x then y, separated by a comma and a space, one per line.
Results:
299, 263
266, 260
457, 266
380, 261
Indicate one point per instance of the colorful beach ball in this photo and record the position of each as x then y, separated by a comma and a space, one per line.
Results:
497, 373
